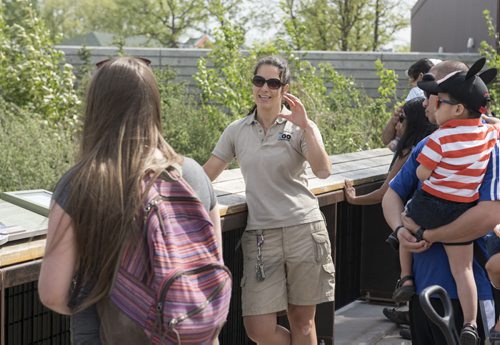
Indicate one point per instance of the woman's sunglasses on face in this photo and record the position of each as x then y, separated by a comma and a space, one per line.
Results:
273, 83
440, 101
145, 61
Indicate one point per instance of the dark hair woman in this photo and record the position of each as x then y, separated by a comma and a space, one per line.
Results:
287, 263
415, 126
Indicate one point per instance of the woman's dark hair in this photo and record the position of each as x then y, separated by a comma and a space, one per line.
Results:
417, 126
421, 66
278, 62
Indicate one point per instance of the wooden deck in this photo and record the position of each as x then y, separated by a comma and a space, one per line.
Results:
20, 260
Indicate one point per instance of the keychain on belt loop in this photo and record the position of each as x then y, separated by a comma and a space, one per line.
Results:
259, 266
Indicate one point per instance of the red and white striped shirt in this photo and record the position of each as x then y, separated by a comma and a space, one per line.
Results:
458, 154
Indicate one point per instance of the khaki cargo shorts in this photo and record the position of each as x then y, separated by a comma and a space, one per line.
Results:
297, 264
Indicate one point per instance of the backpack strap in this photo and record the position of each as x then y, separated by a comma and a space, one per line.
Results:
172, 172
177, 167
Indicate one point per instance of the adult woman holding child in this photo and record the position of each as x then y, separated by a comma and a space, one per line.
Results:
97, 208
287, 254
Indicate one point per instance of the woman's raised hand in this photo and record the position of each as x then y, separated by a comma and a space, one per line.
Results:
298, 115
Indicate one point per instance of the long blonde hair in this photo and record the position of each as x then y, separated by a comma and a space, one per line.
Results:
122, 141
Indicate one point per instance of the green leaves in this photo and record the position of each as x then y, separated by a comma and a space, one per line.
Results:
39, 108
346, 25
34, 154
493, 59
347, 117
34, 74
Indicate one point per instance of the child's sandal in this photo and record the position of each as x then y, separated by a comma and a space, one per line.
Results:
403, 293
494, 337
469, 335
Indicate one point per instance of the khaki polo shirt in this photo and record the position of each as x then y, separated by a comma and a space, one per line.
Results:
273, 167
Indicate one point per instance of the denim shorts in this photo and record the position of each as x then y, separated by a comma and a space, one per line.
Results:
430, 212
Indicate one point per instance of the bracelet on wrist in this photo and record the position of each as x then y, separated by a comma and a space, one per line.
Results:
397, 230
419, 235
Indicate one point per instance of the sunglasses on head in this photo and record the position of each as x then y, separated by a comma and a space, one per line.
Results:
439, 101
145, 61
273, 83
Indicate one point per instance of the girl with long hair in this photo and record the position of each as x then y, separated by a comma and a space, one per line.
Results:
97, 204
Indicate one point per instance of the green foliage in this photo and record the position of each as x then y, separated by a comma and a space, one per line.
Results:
354, 25
37, 93
34, 155
493, 59
347, 117
68, 18
162, 20
34, 75
184, 122
223, 78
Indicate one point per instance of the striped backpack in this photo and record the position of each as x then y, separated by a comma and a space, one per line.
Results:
174, 284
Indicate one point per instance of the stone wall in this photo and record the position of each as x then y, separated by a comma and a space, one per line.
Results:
359, 65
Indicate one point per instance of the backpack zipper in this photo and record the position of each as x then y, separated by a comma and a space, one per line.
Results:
166, 284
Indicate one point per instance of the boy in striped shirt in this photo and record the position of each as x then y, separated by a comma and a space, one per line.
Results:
452, 167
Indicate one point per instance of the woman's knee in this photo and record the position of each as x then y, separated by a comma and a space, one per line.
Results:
302, 317
260, 327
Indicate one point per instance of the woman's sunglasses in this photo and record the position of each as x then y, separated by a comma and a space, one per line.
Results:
147, 62
272, 83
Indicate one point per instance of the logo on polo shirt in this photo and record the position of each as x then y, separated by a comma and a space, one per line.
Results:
284, 136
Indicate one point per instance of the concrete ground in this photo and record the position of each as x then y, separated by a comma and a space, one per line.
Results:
362, 323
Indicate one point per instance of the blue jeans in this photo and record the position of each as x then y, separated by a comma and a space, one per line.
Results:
492, 243
85, 326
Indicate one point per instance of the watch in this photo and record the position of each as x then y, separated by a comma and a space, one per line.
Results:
419, 235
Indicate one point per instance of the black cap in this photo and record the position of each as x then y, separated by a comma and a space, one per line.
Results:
469, 88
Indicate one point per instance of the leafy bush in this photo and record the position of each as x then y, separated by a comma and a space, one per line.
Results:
224, 87
185, 123
39, 106
493, 58
34, 155
348, 119
34, 75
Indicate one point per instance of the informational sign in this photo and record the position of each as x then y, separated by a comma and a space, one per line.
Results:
36, 200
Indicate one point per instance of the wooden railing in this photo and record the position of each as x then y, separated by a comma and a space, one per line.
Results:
357, 233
